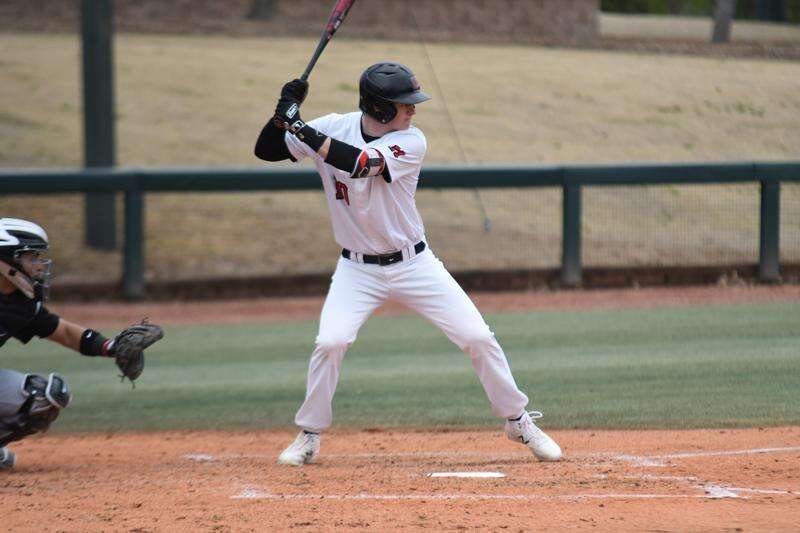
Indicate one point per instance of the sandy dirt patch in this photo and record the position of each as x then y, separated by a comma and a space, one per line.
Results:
375, 480
275, 309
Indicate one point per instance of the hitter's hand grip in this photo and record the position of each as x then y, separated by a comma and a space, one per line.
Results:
295, 90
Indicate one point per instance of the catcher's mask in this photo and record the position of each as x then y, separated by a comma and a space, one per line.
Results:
384, 84
22, 248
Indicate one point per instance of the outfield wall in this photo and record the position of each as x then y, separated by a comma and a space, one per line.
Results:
494, 227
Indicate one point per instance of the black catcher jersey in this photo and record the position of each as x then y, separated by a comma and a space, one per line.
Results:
23, 318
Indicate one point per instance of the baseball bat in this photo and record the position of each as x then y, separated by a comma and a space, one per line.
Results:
336, 19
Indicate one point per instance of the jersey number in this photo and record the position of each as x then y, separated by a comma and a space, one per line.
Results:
341, 191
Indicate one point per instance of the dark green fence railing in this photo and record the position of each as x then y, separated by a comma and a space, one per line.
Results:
133, 182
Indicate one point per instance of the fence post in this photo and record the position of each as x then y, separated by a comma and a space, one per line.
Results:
769, 253
571, 270
97, 29
133, 258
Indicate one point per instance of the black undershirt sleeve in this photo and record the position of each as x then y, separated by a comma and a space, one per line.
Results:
271, 144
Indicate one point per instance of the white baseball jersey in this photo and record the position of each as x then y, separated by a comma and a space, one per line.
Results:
373, 216
370, 215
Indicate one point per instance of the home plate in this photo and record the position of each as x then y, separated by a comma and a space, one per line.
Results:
466, 474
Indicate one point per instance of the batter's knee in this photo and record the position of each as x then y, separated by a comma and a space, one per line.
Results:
478, 341
333, 344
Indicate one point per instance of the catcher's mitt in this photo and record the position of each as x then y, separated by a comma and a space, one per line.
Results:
128, 347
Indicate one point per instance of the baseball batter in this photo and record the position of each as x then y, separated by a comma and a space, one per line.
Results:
29, 403
370, 162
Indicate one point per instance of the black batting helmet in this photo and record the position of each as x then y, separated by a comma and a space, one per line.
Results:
384, 84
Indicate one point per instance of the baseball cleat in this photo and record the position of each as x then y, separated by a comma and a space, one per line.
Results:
302, 451
7, 459
525, 431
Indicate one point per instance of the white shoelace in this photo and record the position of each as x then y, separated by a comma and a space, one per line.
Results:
528, 426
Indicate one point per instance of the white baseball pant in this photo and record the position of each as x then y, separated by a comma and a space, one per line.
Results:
424, 285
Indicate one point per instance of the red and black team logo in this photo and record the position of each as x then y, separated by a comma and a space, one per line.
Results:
397, 151
341, 191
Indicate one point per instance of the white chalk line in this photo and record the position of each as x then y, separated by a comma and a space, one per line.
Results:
764, 491
200, 457
253, 494
650, 477
477, 475
730, 452
641, 460
722, 490
659, 460
711, 491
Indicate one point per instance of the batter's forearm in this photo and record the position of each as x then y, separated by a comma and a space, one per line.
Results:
355, 161
341, 155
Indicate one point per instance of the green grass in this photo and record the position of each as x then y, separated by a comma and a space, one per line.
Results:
716, 366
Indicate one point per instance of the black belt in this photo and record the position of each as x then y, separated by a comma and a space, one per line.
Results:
384, 259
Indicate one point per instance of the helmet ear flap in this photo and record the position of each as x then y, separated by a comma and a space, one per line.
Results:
381, 110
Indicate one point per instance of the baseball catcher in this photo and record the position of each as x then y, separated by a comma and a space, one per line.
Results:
29, 403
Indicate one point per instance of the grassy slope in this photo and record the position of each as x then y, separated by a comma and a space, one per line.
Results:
194, 101
717, 366
692, 28
202, 100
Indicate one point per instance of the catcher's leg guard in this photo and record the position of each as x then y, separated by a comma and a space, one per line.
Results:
29, 403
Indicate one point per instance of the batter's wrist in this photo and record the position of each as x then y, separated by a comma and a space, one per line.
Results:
308, 135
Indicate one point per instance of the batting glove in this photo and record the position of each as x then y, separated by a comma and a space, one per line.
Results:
296, 90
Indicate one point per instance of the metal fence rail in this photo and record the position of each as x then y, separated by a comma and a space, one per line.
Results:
133, 182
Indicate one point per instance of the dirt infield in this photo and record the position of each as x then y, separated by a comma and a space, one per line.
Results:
732, 480
377, 480
271, 309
